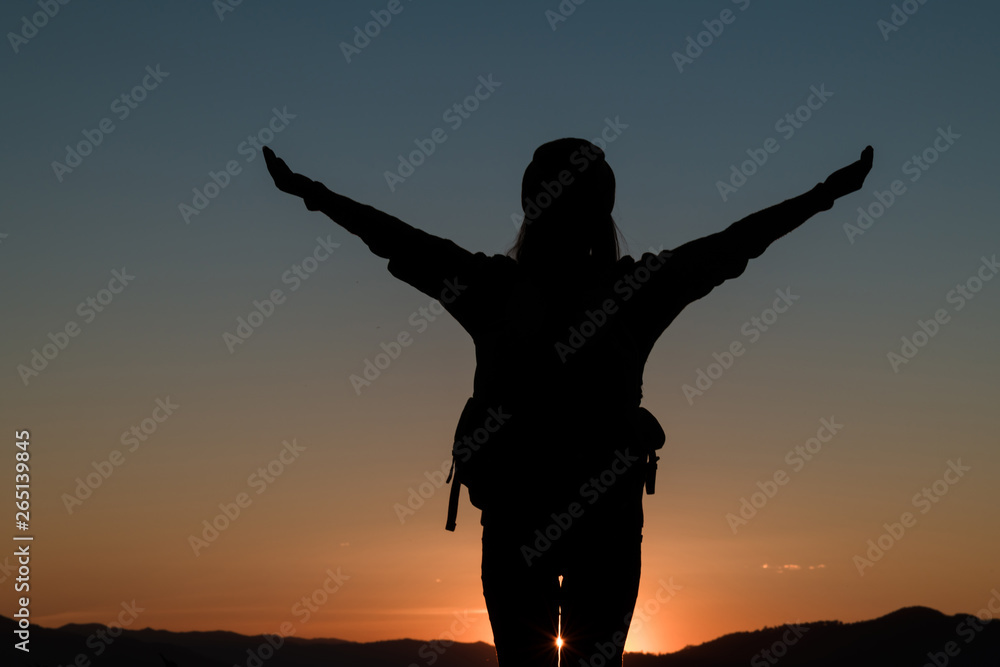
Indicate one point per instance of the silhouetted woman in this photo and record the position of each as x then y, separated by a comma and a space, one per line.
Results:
553, 445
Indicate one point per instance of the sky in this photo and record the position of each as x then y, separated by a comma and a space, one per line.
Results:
843, 465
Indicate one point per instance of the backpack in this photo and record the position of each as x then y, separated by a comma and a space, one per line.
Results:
473, 459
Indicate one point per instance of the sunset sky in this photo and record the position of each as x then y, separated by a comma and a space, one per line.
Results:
118, 228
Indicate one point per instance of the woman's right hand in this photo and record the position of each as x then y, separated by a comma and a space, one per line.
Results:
288, 181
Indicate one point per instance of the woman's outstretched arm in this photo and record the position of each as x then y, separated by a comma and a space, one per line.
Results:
749, 238
691, 271
701, 265
758, 230
436, 266
381, 232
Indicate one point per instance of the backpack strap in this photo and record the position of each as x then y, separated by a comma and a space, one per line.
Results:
471, 414
651, 473
453, 497
652, 436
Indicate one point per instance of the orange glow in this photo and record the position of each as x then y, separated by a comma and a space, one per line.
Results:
346, 543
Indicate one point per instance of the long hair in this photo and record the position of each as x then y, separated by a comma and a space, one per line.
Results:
567, 193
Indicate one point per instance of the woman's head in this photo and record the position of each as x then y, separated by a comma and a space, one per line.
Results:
567, 193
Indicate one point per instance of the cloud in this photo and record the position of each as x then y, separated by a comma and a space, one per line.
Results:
780, 569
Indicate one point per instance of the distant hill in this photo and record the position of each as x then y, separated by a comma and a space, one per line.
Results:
910, 637
904, 638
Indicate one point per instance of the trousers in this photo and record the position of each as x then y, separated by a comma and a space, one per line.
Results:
571, 574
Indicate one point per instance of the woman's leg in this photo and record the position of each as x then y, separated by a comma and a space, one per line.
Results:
601, 583
521, 600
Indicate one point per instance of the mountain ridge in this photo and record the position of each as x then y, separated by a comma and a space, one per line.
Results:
910, 636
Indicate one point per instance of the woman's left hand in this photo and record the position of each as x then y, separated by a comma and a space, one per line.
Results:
285, 179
